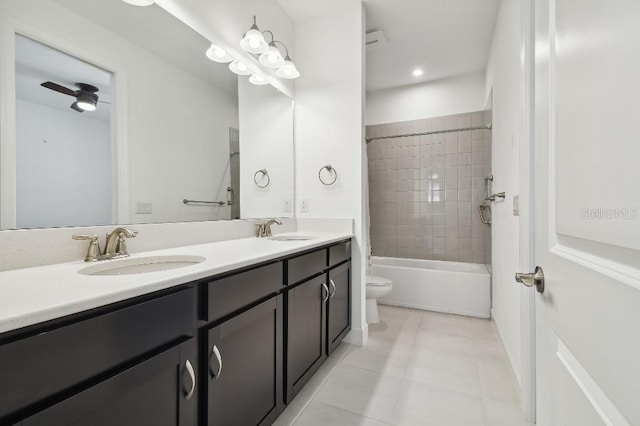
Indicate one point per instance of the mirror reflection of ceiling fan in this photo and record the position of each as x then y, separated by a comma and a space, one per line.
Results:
86, 97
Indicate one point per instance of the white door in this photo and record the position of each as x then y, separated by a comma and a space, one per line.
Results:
587, 137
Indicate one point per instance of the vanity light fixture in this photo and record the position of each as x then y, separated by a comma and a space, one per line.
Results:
239, 68
257, 80
288, 69
272, 58
269, 54
253, 40
140, 2
218, 54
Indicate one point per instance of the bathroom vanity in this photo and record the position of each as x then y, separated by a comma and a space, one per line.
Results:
228, 341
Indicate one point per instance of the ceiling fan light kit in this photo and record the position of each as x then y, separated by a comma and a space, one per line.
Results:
86, 98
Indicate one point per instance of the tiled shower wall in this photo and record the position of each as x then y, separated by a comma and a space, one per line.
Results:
424, 191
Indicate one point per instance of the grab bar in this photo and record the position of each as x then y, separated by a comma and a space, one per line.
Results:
196, 202
481, 209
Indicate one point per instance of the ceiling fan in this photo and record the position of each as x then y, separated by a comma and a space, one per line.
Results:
86, 98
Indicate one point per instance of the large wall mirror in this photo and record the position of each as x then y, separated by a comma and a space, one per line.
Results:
112, 114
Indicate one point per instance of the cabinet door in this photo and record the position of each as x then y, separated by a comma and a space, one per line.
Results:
306, 326
245, 367
338, 306
154, 392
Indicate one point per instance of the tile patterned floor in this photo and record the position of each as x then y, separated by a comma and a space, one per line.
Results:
419, 368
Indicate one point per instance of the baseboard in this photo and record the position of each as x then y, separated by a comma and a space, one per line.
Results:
512, 364
358, 336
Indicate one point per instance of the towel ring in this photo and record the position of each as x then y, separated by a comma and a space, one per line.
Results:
264, 174
330, 169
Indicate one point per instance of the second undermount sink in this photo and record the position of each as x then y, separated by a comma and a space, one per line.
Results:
290, 238
141, 265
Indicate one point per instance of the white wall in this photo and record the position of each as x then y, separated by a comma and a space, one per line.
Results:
266, 142
505, 80
329, 128
174, 137
64, 168
447, 96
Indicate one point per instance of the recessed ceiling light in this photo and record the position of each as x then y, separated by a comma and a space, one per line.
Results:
417, 72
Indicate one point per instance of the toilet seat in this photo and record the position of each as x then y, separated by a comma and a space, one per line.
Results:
375, 281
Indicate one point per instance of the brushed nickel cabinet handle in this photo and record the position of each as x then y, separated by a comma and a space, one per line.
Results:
215, 353
325, 293
192, 377
333, 286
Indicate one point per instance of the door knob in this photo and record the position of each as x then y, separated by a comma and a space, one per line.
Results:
537, 279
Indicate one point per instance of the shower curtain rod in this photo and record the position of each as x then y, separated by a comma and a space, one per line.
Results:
435, 132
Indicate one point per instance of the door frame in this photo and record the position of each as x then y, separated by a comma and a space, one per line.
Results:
527, 214
11, 26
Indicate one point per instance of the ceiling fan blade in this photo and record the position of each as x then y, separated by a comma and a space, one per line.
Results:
60, 89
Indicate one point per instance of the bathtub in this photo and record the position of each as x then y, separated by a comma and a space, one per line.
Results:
434, 285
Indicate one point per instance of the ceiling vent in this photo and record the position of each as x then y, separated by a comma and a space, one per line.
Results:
376, 40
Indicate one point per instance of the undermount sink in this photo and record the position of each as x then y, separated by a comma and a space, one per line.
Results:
290, 238
141, 265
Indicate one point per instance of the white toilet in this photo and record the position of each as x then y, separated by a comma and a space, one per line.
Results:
376, 287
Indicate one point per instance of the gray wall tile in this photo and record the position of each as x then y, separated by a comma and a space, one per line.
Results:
424, 190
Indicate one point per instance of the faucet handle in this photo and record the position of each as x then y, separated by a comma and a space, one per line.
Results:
94, 247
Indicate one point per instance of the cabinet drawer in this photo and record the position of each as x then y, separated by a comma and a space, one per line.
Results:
339, 253
305, 266
56, 360
229, 294
149, 393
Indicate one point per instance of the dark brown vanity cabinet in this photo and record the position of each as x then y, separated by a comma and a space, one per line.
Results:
128, 364
230, 349
318, 299
306, 328
338, 305
243, 347
158, 391
244, 367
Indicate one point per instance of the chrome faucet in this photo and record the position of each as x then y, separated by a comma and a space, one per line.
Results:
264, 229
116, 245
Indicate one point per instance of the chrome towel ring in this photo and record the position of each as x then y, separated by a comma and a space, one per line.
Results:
264, 174
332, 172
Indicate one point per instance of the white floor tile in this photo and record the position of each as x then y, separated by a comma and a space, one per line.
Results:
382, 357
423, 405
490, 350
319, 414
483, 329
445, 343
418, 368
361, 392
447, 324
445, 372
496, 381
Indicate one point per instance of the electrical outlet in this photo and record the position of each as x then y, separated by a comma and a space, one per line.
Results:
287, 205
304, 205
144, 208
516, 205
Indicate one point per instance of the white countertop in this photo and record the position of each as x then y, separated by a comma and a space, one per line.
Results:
33, 295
